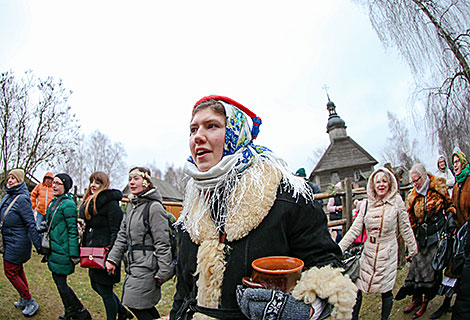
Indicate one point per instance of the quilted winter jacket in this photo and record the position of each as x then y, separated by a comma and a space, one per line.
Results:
19, 227
63, 234
42, 195
384, 220
140, 289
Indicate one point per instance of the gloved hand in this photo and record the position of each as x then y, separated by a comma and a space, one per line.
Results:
270, 304
75, 260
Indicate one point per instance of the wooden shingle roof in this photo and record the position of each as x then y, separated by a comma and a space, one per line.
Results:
342, 153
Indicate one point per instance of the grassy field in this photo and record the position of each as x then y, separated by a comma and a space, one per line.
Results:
44, 291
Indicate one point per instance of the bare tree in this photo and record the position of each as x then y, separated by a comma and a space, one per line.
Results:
156, 172
96, 153
399, 151
176, 177
36, 124
434, 38
317, 153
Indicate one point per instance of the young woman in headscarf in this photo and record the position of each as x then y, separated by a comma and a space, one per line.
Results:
102, 214
428, 204
461, 200
243, 203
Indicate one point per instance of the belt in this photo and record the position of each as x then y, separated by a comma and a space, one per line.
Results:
141, 247
373, 239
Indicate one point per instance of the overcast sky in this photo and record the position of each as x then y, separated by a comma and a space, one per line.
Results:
137, 67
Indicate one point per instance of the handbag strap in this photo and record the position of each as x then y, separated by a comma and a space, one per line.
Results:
8, 209
53, 215
364, 221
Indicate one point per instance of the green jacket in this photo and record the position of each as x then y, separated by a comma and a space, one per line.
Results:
63, 235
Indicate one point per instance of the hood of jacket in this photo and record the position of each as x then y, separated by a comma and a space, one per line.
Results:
47, 175
150, 195
393, 186
19, 188
441, 156
106, 196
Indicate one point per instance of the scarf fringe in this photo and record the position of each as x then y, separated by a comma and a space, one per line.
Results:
191, 218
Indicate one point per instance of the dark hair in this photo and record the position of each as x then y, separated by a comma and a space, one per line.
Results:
147, 171
215, 105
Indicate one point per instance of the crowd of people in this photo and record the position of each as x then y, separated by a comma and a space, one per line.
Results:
241, 203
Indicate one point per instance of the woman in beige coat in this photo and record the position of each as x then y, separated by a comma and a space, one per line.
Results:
384, 216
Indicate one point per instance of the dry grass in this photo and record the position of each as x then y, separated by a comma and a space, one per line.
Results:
44, 291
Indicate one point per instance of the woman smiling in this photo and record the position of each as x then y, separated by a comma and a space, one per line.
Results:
383, 215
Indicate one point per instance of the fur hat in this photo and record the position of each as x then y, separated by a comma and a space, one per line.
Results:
18, 174
66, 180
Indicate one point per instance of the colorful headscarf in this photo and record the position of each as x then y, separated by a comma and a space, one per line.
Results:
239, 154
239, 135
465, 172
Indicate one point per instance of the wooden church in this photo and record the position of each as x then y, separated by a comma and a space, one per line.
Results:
344, 157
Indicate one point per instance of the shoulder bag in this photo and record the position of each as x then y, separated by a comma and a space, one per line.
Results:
2, 245
93, 257
459, 250
351, 259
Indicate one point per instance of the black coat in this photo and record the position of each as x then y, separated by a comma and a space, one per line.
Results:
101, 230
291, 228
461, 308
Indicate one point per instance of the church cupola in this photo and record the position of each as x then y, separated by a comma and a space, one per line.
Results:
336, 127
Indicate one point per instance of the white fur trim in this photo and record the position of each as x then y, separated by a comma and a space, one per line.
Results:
211, 269
327, 283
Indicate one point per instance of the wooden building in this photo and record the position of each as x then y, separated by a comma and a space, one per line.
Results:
172, 198
344, 157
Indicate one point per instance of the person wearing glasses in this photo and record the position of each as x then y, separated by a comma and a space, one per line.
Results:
61, 219
428, 204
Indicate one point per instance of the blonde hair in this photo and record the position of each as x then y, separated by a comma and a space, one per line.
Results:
103, 179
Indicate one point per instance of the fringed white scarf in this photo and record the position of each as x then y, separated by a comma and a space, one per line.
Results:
223, 179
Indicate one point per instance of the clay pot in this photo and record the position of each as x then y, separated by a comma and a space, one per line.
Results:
277, 273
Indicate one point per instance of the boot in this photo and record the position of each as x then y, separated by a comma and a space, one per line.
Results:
30, 308
442, 309
67, 315
422, 309
124, 314
82, 314
417, 301
20, 304
387, 304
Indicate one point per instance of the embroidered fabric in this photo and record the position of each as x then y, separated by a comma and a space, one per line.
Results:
275, 306
239, 155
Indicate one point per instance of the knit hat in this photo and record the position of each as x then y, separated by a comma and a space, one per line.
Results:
66, 180
18, 174
301, 173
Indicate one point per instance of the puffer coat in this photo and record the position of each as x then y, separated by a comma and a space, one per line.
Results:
140, 289
63, 235
19, 227
384, 220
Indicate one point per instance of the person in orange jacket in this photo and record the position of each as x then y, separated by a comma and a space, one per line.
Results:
41, 196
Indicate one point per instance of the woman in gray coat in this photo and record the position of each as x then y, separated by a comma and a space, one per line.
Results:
147, 247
